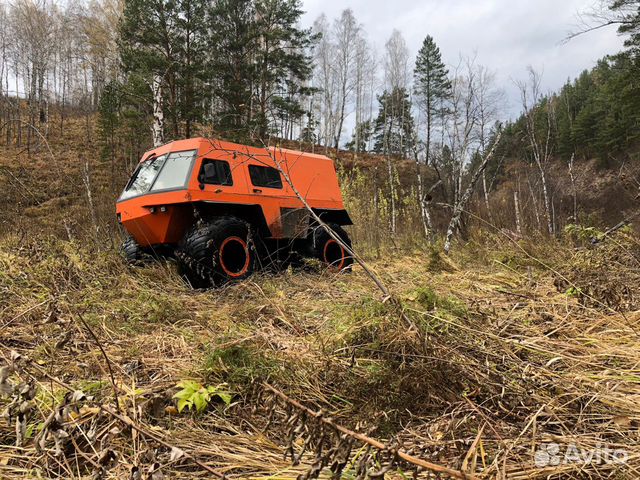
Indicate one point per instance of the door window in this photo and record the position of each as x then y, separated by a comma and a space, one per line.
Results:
215, 172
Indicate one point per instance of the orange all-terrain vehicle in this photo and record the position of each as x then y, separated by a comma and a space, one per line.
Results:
223, 209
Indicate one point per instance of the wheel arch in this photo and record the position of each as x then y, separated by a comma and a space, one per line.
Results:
250, 213
339, 217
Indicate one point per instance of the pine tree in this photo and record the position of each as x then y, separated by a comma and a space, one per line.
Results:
165, 41
232, 43
394, 132
147, 47
282, 65
259, 65
361, 136
192, 47
432, 85
109, 119
628, 18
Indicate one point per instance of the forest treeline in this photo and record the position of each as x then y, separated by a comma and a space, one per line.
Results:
245, 70
597, 115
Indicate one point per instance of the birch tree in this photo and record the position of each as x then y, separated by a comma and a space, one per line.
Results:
461, 204
396, 62
324, 81
33, 26
347, 37
392, 116
4, 47
467, 133
490, 99
539, 118
365, 78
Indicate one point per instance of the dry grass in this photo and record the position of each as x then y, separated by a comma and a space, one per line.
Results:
518, 345
503, 362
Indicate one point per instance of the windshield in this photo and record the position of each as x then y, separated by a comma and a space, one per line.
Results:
160, 173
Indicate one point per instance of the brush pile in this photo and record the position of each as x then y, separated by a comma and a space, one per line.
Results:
516, 366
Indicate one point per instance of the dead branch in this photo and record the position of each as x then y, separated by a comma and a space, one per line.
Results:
368, 440
388, 296
106, 358
143, 431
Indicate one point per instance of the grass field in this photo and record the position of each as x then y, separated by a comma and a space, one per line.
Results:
506, 359
511, 346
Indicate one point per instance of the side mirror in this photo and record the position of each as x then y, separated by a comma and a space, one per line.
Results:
201, 186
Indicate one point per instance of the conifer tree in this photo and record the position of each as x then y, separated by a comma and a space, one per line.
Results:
232, 43
259, 65
361, 137
165, 41
147, 49
191, 49
394, 132
282, 65
432, 85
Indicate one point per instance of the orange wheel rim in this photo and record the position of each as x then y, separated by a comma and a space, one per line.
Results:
330, 244
227, 268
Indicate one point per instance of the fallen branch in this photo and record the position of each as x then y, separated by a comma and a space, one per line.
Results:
129, 422
388, 296
433, 467
106, 358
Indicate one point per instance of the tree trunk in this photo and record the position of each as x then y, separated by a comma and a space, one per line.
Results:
392, 188
486, 195
158, 113
545, 194
534, 202
464, 199
574, 193
516, 203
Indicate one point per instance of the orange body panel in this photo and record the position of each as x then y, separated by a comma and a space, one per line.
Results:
314, 176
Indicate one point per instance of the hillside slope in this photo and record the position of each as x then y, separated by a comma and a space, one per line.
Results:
501, 354
501, 350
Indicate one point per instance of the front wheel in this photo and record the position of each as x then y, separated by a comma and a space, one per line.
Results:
216, 252
132, 252
326, 249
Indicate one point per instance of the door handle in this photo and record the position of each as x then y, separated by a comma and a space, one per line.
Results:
257, 190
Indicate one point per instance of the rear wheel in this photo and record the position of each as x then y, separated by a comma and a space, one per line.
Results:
216, 252
328, 250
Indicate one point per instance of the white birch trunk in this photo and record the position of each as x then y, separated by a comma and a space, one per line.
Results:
573, 190
486, 195
157, 127
464, 199
545, 194
424, 212
516, 203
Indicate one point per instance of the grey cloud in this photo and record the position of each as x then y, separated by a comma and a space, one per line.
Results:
507, 36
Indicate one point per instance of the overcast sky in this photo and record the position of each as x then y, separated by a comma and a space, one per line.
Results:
507, 35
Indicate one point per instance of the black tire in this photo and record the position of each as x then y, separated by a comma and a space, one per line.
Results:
216, 252
132, 252
327, 250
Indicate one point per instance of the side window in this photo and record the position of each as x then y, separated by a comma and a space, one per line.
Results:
215, 172
265, 176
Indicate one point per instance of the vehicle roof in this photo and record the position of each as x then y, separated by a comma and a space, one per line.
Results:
216, 144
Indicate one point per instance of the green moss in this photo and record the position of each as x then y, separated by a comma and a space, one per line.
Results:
437, 263
429, 299
237, 365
